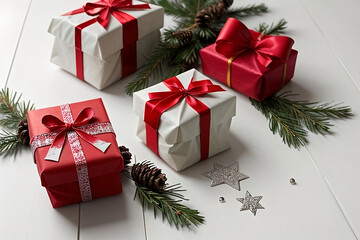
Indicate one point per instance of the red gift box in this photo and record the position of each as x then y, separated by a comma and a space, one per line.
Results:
251, 63
85, 169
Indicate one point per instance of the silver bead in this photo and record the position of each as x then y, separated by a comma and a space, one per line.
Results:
292, 181
221, 199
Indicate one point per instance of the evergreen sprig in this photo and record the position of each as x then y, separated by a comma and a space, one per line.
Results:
12, 111
8, 142
241, 12
289, 118
273, 29
168, 203
153, 68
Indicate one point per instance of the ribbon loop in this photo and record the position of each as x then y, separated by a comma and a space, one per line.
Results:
84, 117
235, 38
105, 8
52, 122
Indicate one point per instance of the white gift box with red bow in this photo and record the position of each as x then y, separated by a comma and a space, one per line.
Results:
178, 136
101, 54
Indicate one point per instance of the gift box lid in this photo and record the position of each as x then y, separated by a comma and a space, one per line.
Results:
100, 42
64, 171
180, 123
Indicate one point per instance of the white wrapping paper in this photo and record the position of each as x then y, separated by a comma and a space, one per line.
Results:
179, 130
102, 47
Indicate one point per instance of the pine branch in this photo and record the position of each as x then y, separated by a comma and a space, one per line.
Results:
153, 67
273, 29
289, 117
205, 35
12, 110
173, 71
8, 142
246, 11
178, 9
178, 49
168, 202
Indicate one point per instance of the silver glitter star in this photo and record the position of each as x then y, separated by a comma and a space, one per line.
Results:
229, 175
250, 203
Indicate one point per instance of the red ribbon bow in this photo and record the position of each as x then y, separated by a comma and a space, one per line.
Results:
235, 38
54, 124
105, 8
161, 101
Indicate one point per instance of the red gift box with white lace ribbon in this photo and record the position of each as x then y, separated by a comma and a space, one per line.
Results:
76, 153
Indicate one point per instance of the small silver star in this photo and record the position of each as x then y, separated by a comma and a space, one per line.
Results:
250, 203
229, 175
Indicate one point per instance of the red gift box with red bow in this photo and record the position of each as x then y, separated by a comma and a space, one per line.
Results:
76, 153
251, 63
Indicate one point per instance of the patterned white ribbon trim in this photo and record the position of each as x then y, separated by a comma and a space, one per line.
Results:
47, 139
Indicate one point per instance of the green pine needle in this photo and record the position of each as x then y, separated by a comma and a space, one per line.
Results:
273, 29
12, 109
168, 203
178, 8
246, 11
289, 118
205, 34
8, 142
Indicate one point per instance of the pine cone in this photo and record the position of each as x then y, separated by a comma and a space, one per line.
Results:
23, 132
145, 174
184, 36
212, 12
125, 154
228, 3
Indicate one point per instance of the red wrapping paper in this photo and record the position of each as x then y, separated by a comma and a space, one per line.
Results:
248, 75
60, 178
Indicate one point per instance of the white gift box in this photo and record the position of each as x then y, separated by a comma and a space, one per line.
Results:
102, 47
179, 129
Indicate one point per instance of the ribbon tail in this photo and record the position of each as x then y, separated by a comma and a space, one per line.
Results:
53, 154
138, 6
56, 147
76, 11
97, 143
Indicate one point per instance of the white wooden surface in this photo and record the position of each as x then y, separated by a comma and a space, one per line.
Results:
323, 205
12, 17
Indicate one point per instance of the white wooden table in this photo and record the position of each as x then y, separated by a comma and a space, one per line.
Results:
325, 203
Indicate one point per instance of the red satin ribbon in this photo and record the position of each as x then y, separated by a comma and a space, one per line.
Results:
235, 38
104, 9
54, 124
161, 101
